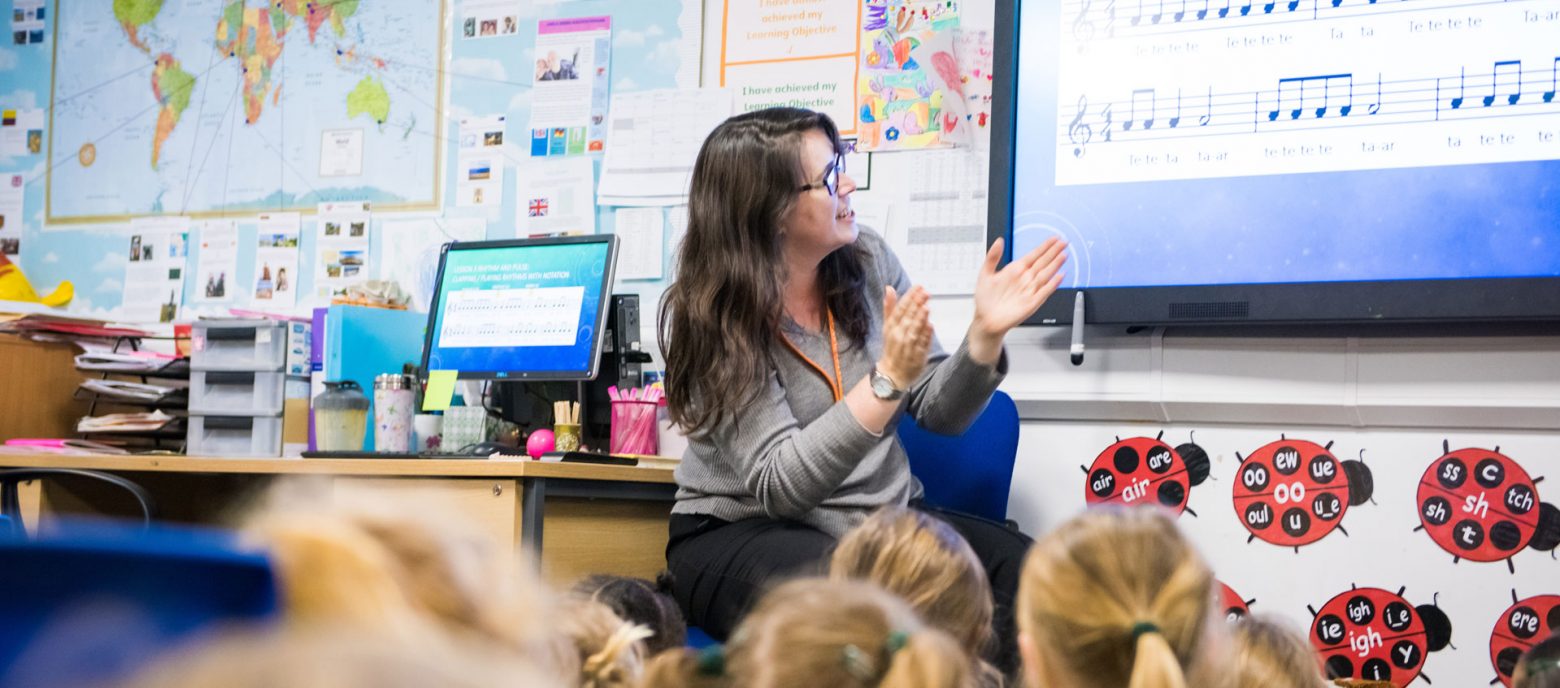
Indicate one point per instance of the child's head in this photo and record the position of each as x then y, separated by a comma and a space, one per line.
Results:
396, 566
1539, 666
1269, 653
925, 562
335, 657
817, 632
1116, 597
597, 648
639, 601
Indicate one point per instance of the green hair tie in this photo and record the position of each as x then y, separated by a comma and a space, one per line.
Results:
712, 661
1142, 627
896, 642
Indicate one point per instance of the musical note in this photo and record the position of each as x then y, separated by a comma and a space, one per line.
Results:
1327, 97
1247, 9
1376, 106
1226, 11
1160, 14
1268, 8
1176, 120
1078, 132
1148, 122
1293, 4
1204, 119
1549, 96
1495, 82
1203, 13
1083, 29
1300, 84
1461, 83
1139, 16
1178, 16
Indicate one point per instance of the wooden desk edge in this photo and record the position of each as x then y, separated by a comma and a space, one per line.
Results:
452, 468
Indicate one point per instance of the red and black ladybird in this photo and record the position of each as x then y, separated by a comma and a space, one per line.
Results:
1376, 635
1294, 492
1145, 470
1235, 607
1520, 627
1481, 505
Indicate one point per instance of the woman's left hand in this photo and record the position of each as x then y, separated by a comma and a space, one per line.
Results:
1007, 297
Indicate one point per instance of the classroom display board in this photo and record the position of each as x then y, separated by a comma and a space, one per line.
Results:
231, 122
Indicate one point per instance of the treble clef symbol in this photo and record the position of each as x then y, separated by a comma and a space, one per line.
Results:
1078, 132
1083, 29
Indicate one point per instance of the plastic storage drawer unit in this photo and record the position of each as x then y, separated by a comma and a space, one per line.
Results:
249, 345
219, 393
237, 436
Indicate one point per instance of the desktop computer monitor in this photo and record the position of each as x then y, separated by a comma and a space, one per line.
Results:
526, 309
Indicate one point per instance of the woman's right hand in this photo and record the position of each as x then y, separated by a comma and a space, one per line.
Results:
907, 335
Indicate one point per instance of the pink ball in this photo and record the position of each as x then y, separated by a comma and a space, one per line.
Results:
540, 442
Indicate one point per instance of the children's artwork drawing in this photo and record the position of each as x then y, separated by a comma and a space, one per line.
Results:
910, 88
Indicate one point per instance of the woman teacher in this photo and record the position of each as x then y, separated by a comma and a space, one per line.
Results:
793, 343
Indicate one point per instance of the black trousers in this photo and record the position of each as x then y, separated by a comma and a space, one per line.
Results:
721, 568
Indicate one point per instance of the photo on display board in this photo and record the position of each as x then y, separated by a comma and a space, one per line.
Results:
555, 67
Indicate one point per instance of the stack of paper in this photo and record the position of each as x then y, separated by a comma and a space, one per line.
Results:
124, 422
127, 391
133, 362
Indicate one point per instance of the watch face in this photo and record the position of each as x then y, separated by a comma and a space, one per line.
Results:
882, 386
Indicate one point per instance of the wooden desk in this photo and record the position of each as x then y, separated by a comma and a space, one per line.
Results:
579, 518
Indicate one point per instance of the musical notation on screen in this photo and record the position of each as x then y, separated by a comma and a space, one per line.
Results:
1435, 83
1088, 20
537, 316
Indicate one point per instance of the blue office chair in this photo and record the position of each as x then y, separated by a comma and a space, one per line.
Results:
90, 603
969, 473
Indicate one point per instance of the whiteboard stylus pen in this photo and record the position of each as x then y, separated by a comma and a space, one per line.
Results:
1077, 329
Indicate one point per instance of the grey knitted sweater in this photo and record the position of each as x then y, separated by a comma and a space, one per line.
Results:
796, 454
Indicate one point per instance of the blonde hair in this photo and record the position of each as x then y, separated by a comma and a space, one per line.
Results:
368, 563
1117, 597
816, 632
323, 656
925, 562
599, 649
1269, 653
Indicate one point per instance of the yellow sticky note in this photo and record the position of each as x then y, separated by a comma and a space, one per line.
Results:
441, 388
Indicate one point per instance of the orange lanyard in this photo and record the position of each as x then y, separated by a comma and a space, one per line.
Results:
836, 384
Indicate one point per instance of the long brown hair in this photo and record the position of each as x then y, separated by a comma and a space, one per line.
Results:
815, 632
1118, 597
723, 310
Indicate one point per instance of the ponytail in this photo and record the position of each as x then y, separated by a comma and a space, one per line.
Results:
1155, 664
929, 659
615, 664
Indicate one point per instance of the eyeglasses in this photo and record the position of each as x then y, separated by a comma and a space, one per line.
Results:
831, 177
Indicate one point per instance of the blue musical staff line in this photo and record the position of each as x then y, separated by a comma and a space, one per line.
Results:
1319, 101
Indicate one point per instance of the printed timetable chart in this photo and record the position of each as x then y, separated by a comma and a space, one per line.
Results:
1156, 90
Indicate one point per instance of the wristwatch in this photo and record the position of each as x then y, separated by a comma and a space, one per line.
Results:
883, 387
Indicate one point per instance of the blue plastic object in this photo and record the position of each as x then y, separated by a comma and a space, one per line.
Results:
969, 473
92, 602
